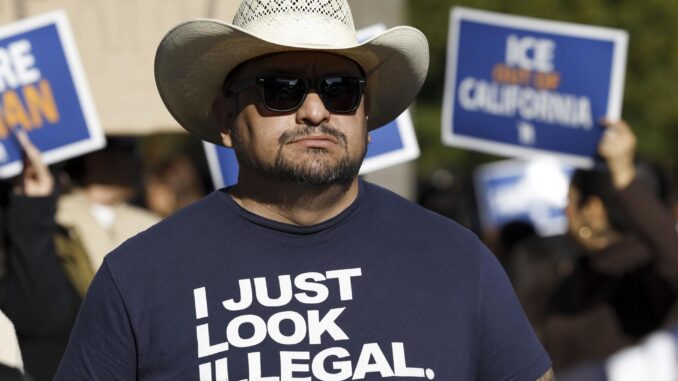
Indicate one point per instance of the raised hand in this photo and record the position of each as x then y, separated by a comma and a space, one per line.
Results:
618, 147
35, 180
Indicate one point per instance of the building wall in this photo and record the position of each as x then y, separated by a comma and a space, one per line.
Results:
117, 42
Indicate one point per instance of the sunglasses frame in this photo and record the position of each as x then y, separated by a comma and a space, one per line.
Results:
244, 84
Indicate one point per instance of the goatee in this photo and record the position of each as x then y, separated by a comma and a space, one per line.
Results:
319, 172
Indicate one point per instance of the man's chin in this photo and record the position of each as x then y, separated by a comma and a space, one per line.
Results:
315, 177
318, 172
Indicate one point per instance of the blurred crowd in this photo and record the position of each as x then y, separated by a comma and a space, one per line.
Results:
601, 298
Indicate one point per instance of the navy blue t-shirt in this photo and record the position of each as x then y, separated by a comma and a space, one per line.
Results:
385, 290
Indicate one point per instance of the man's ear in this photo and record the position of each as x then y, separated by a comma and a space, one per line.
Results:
223, 109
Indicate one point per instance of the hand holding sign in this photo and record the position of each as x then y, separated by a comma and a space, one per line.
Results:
618, 147
36, 180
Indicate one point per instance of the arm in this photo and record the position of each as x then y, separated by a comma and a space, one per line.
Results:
650, 218
38, 297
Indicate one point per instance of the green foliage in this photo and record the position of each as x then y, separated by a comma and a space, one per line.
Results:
650, 99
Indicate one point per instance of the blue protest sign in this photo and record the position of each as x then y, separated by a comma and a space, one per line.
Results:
43, 91
527, 191
392, 144
222, 163
519, 86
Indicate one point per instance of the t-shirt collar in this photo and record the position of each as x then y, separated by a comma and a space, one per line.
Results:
290, 228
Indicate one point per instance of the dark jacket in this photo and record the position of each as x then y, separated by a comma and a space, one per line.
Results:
619, 294
36, 294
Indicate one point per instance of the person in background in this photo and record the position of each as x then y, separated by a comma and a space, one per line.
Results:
99, 213
654, 358
536, 265
172, 185
445, 192
625, 278
35, 294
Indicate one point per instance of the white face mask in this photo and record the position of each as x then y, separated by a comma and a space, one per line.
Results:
104, 214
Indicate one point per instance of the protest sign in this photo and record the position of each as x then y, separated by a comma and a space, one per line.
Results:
43, 92
222, 163
526, 191
520, 86
392, 144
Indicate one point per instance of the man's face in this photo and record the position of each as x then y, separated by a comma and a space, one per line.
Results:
310, 145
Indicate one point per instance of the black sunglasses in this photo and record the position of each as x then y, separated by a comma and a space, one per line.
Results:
286, 93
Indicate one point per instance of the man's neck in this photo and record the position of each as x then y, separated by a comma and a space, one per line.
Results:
291, 203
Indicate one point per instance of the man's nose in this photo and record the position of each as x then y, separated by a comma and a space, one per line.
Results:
313, 111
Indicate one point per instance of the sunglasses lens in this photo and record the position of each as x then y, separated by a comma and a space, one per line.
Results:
340, 94
283, 93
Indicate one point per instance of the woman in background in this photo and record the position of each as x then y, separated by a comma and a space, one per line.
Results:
625, 279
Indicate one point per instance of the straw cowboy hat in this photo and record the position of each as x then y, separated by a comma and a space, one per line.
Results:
195, 57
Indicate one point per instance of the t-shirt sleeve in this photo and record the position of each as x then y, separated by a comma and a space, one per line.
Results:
102, 345
508, 349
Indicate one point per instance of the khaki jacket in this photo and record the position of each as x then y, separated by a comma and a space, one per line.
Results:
82, 243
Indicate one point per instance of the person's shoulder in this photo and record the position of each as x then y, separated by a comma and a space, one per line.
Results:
139, 216
70, 206
395, 213
406, 227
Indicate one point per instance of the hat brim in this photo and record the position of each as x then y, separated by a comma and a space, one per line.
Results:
194, 58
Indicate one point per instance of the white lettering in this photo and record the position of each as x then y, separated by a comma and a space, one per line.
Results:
544, 106
200, 298
317, 326
343, 368
285, 292
518, 51
20, 52
221, 367
17, 65
309, 282
254, 367
233, 331
365, 365
204, 346
466, 98
400, 366
288, 367
205, 372
245, 297
344, 277
299, 328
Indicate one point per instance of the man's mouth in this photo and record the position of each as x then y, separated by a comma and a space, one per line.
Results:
315, 141
322, 136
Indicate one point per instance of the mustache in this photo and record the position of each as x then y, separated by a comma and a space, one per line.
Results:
324, 128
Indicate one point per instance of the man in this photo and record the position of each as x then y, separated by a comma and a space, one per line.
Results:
300, 271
